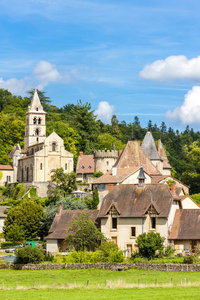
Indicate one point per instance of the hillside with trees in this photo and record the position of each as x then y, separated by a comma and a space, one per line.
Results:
82, 131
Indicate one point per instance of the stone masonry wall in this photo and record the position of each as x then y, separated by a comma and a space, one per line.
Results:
106, 266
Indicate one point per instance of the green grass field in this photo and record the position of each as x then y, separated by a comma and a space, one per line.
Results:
102, 284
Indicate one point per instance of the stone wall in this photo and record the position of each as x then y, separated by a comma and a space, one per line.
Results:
106, 266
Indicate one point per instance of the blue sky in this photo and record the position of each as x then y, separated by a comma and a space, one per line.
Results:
124, 57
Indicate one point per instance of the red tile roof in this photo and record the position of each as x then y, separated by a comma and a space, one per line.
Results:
186, 225
85, 164
122, 174
133, 156
6, 167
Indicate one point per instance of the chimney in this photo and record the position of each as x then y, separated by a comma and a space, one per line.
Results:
120, 152
81, 154
59, 209
173, 188
159, 147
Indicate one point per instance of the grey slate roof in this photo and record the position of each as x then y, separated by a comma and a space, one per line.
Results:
149, 147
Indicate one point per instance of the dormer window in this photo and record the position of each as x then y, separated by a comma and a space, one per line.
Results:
82, 167
89, 167
53, 147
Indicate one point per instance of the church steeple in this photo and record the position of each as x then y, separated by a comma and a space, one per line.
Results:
35, 129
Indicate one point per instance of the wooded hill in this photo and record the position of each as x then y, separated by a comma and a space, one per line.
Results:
81, 131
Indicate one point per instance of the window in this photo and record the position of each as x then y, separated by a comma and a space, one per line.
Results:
36, 108
107, 163
39, 121
34, 121
101, 187
89, 167
82, 167
153, 223
41, 166
65, 166
114, 223
37, 139
32, 151
8, 178
37, 131
133, 231
54, 147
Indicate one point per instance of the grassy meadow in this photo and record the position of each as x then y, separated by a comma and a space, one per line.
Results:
98, 284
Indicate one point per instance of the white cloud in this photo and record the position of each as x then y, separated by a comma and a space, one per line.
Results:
104, 111
43, 74
16, 86
172, 68
189, 111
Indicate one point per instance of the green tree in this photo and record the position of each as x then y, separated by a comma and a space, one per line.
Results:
82, 118
28, 216
97, 174
106, 140
15, 234
65, 182
93, 203
83, 234
149, 243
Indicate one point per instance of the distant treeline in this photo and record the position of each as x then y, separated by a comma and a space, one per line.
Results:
82, 131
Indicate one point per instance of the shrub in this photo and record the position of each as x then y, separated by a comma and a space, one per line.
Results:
77, 257
48, 257
169, 251
109, 252
188, 260
149, 243
5, 245
29, 255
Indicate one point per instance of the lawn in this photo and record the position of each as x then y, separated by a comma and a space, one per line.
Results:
98, 284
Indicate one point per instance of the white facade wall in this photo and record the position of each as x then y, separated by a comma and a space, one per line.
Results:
52, 246
187, 203
5, 177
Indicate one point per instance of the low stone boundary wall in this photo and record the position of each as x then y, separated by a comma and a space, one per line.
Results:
106, 266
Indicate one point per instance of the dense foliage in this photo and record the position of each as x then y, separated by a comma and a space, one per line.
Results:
149, 243
29, 254
83, 234
26, 218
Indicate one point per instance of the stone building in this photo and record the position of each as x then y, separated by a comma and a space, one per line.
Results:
42, 155
100, 161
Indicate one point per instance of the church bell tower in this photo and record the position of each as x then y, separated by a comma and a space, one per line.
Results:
35, 129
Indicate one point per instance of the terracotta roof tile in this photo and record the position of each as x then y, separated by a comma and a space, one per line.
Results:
122, 174
186, 225
133, 156
85, 164
6, 167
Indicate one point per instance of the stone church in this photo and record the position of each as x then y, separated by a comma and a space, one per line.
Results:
42, 155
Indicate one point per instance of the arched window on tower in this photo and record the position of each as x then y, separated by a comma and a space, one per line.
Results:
37, 131
36, 108
34, 121
39, 121
53, 146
